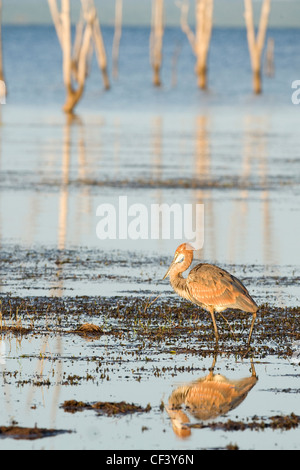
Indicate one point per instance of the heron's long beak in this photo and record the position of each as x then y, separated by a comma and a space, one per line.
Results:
170, 267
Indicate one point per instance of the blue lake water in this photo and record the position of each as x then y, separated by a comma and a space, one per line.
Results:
32, 64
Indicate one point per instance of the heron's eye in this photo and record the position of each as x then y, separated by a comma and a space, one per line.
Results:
179, 258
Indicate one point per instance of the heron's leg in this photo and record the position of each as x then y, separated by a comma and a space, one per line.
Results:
214, 323
253, 368
211, 369
251, 328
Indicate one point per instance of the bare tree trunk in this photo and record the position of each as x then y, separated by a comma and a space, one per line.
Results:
200, 41
87, 32
269, 65
256, 44
1, 62
204, 15
156, 39
184, 6
117, 36
100, 51
66, 49
2, 84
77, 45
175, 57
56, 19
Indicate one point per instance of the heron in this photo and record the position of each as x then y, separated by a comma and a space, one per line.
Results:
210, 287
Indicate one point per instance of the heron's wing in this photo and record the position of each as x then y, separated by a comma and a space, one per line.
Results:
211, 285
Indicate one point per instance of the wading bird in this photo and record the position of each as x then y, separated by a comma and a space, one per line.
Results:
209, 286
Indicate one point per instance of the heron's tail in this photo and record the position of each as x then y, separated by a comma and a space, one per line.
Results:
246, 304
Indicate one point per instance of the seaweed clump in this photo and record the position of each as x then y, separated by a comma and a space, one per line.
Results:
107, 408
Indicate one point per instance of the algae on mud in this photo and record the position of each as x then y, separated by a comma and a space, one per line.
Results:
108, 408
255, 424
171, 324
143, 349
19, 432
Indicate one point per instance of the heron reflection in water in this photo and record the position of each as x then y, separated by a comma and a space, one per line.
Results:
207, 398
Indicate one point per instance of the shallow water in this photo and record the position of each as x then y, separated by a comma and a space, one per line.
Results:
247, 182
105, 372
236, 154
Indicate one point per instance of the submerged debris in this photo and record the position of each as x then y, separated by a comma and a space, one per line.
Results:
15, 329
18, 432
108, 408
283, 422
89, 329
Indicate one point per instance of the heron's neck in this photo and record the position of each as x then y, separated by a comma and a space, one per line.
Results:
177, 281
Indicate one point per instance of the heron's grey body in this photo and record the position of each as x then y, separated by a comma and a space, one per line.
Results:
209, 286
